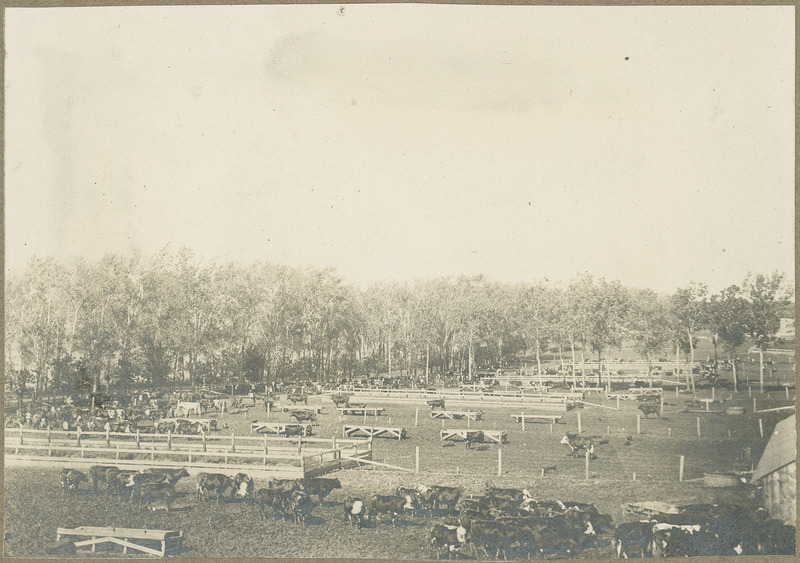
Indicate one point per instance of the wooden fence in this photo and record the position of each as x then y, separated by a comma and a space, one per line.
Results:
257, 456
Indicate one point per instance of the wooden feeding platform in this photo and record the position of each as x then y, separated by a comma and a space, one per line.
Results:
361, 411
281, 428
460, 434
398, 433
548, 418
128, 538
645, 390
457, 415
316, 409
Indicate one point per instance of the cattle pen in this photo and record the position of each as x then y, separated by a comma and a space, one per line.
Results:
259, 456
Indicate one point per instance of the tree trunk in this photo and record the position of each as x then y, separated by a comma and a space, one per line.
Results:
735, 382
691, 360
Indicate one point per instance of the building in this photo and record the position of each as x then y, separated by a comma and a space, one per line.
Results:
777, 472
786, 329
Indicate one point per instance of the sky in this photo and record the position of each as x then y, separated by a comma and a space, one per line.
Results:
653, 145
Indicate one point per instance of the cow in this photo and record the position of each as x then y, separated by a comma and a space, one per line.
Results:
436, 403
187, 407
649, 408
271, 499
473, 436
285, 485
301, 506
128, 483
412, 499
156, 491
426, 498
71, 480
447, 497
577, 443
172, 476
97, 474
303, 416
449, 537
340, 400
321, 487
212, 482
518, 495
633, 539
674, 540
385, 504
297, 398
485, 534
243, 488
354, 511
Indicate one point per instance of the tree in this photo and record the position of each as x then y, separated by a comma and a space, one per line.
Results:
767, 298
607, 315
727, 318
648, 320
689, 316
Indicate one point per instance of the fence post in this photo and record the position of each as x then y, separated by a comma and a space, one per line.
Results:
108, 437
138, 445
638, 424
680, 471
416, 413
233, 442
698, 426
617, 403
608, 429
551, 428
416, 460
587, 465
48, 431
669, 431
169, 439
499, 461
754, 405
203, 435
579, 423
712, 393
761, 427
522, 416
79, 436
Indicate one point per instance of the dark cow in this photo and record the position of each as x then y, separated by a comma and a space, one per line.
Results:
426, 497
577, 443
340, 400
270, 499
303, 416
301, 506
485, 534
321, 487
385, 504
436, 403
354, 511
112, 484
297, 398
285, 485
633, 539
243, 488
673, 540
215, 483
473, 437
156, 491
98, 473
649, 408
71, 480
447, 497
448, 537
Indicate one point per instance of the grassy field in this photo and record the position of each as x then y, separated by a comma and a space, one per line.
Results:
35, 506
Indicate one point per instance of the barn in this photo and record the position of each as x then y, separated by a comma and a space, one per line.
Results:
777, 472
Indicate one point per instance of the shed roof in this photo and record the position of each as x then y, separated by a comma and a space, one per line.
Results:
781, 449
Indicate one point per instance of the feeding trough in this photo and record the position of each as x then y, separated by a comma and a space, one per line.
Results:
734, 410
721, 480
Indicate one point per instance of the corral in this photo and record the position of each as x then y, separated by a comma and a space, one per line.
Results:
632, 466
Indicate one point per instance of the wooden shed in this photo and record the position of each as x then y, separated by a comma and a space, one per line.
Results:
777, 472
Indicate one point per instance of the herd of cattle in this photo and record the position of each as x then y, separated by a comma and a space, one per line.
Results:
507, 522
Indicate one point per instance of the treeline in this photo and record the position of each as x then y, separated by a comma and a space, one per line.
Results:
119, 320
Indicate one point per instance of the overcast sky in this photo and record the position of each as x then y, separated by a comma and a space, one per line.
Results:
654, 145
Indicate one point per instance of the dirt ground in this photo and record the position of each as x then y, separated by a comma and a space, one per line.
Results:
35, 505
